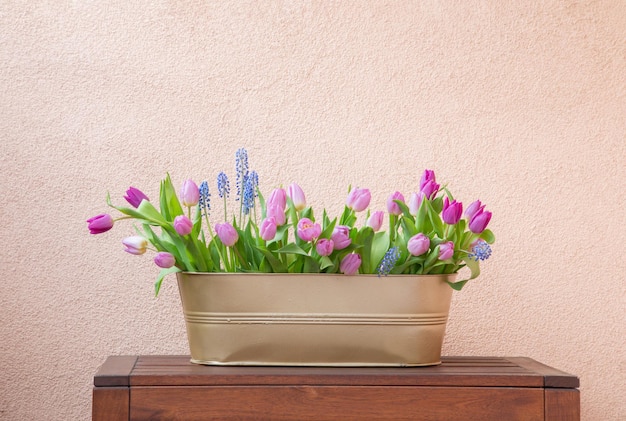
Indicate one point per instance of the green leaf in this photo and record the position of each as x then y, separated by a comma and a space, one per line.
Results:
325, 262
488, 236
277, 265
475, 271
292, 248
163, 274
380, 245
310, 265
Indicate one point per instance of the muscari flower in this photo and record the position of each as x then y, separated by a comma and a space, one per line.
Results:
389, 261
241, 169
480, 250
204, 203
249, 189
223, 185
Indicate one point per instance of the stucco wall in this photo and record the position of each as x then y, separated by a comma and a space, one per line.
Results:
522, 105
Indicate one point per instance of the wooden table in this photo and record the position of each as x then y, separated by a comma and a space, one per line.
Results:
461, 388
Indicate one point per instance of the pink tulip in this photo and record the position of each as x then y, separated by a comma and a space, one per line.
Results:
473, 208
276, 212
430, 189
392, 206
428, 175
182, 225
341, 237
415, 201
307, 230
375, 221
268, 228
418, 244
296, 195
278, 198
479, 221
446, 250
135, 245
227, 234
100, 223
359, 199
324, 247
135, 197
190, 194
350, 264
452, 211
164, 259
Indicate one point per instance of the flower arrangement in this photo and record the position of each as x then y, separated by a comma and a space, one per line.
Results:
428, 234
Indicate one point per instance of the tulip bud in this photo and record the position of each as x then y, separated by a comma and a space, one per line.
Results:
135, 196
190, 194
296, 195
307, 230
392, 206
278, 213
418, 244
375, 221
341, 237
415, 201
278, 198
182, 225
164, 259
268, 228
227, 234
324, 247
359, 199
430, 189
446, 250
350, 264
100, 223
479, 221
135, 245
452, 211
428, 175
472, 209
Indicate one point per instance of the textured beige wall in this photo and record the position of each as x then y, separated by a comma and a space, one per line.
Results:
521, 105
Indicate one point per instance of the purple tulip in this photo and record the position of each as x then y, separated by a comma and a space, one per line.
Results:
359, 199
415, 201
430, 189
375, 221
452, 211
473, 208
135, 196
268, 228
428, 175
227, 234
308, 230
324, 247
479, 221
392, 207
446, 250
350, 264
135, 245
164, 259
100, 223
341, 237
278, 198
183, 225
190, 194
418, 244
296, 195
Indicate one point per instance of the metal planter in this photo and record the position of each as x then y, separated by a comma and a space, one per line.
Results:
315, 319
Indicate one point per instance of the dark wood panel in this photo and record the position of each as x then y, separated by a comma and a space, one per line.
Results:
336, 403
115, 371
110, 404
552, 376
455, 371
562, 404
